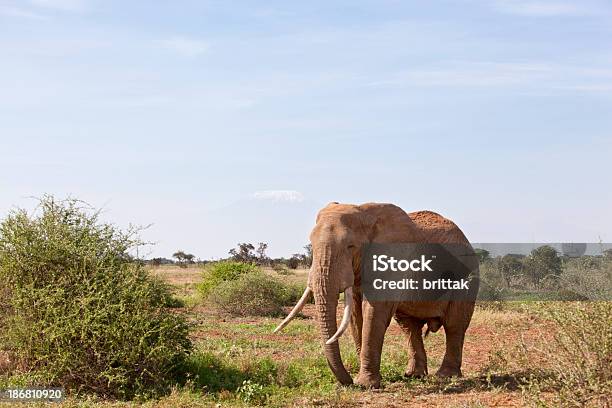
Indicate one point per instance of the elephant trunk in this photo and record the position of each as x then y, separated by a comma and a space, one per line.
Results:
326, 302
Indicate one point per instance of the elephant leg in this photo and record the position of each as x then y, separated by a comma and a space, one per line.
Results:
413, 329
451, 364
357, 319
376, 319
455, 325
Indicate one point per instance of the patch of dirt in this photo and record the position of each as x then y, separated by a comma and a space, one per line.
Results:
4, 362
487, 399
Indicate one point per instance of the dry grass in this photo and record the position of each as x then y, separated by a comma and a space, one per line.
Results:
186, 278
178, 276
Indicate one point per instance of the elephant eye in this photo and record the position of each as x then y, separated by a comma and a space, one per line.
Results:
351, 246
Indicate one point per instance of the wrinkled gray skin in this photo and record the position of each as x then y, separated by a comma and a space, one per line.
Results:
339, 233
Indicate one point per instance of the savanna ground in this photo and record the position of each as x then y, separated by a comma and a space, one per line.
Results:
239, 362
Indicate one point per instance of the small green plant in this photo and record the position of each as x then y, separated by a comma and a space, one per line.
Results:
254, 294
223, 271
77, 311
252, 393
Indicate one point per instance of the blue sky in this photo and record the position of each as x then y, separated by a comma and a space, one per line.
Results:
194, 115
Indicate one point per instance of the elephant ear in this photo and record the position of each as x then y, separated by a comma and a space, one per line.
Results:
386, 223
367, 227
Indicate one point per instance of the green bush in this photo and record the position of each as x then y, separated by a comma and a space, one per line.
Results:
253, 294
223, 271
282, 269
587, 279
542, 262
295, 292
579, 354
488, 292
78, 312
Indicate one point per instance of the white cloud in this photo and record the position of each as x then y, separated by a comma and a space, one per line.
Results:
279, 195
21, 13
63, 5
186, 46
37, 9
543, 8
533, 76
481, 74
595, 88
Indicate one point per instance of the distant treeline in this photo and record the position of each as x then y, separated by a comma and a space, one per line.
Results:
545, 274
244, 252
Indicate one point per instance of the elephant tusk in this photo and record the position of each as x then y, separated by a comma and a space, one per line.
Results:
298, 307
346, 317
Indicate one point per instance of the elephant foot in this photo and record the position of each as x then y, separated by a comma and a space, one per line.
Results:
446, 372
368, 381
415, 372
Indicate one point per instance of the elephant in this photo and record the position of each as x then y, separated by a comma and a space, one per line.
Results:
337, 239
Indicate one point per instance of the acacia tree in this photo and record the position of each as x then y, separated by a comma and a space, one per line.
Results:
542, 262
262, 258
307, 260
243, 253
510, 266
294, 261
183, 258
